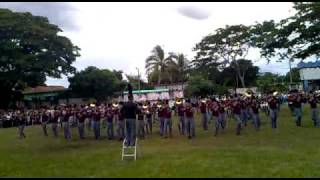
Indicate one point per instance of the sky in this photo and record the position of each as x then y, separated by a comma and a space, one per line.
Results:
121, 35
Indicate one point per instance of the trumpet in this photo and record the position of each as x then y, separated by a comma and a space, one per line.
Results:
144, 106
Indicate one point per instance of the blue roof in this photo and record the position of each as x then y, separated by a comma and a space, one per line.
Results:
315, 64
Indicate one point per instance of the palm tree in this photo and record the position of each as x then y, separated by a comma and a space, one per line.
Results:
178, 65
157, 62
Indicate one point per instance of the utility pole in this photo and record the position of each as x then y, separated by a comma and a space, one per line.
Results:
138, 78
290, 87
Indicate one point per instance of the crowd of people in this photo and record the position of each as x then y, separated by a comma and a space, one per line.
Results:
131, 119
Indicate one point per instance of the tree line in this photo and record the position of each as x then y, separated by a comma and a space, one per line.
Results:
32, 49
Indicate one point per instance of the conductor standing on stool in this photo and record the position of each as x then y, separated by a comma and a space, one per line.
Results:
129, 112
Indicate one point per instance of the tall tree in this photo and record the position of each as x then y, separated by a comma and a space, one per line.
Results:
157, 62
178, 66
293, 38
30, 50
224, 46
100, 84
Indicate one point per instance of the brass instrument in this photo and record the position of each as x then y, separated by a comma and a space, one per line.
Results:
275, 93
178, 101
115, 105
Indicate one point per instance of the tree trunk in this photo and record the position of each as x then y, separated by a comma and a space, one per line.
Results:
159, 78
242, 81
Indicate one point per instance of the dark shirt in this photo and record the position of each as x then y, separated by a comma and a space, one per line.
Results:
129, 110
313, 103
180, 110
203, 108
189, 112
140, 114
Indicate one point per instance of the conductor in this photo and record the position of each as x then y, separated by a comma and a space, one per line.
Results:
129, 112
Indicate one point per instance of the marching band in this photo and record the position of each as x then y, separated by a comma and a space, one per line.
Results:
241, 108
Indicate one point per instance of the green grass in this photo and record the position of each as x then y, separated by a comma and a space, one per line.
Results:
288, 151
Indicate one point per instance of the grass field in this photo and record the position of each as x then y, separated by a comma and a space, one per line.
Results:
288, 151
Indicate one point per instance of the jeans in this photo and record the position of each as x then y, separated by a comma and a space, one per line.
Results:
161, 119
218, 123
149, 125
256, 120
96, 129
55, 129
204, 121
44, 128
314, 116
181, 125
81, 129
167, 127
120, 129
190, 126
244, 116
21, 129
141, 129
274, 116
110, 130
298, 112
66, 128
130, 132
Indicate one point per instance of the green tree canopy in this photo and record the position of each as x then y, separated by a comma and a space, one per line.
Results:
225, 46
30, 50
198, 86
92, 82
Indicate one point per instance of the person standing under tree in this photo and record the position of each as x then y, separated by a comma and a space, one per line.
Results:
273, 102
44, 121
181, 111
55, 123
236, 109
22, 121
190, 125
148, 113
314, 111
203, 110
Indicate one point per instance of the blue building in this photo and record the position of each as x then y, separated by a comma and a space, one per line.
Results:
310, 75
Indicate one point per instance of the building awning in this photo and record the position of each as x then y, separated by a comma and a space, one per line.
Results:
40, 96
148, 91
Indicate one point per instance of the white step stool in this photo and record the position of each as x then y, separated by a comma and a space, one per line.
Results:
126, 154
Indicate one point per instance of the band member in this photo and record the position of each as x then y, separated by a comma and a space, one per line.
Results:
215, 113
255, 112
244, 117
120, 123
44, 121
148, 115
167, 120
66, 126
297, 104
81, 118
161, 115
190, 125
141, 132
203, 111
129, 111
273, 102
181, 111
222, 114
236, 109
290, 103
54, 124
22, 121
314, 112
109, 115
96, 123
